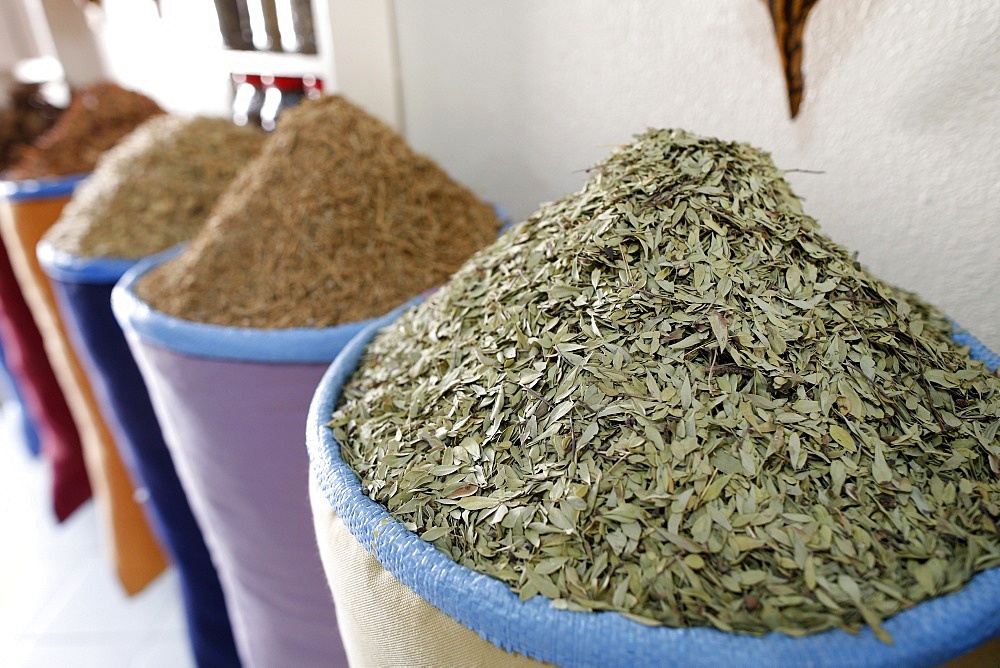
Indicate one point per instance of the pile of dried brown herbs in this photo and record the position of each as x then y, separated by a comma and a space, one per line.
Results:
156, 188
337, 219
670, 395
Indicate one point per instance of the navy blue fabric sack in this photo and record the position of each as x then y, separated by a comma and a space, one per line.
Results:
83, 289
28, 433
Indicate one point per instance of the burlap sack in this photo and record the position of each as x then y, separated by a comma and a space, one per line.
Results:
382, 621
136, 556
384, 577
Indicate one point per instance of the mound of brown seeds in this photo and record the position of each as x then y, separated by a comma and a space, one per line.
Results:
156, 188
670, 395
337, 220
98, 117
29, 115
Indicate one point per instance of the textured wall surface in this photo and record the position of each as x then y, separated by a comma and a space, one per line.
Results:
901, 113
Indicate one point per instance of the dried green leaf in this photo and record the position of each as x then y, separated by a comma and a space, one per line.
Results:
678, 400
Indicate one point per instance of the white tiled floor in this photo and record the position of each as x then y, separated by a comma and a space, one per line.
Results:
60, 604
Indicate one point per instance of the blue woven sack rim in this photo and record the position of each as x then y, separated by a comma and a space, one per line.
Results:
926, 635
290, 345
47, 188
71, 268
301, 345
977, 350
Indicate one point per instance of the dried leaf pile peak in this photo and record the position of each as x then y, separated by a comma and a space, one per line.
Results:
668, 394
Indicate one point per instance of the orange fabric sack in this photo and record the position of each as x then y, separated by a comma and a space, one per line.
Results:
136, 555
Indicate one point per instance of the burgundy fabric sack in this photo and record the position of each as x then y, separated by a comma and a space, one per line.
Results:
41, 396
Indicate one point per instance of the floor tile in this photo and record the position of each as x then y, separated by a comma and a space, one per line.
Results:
163, 652
74, 613
96, 652
60, 603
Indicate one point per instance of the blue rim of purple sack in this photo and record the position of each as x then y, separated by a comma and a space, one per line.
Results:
929, 633
306, 345
197, 339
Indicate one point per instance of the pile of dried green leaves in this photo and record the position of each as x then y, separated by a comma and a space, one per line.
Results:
670, 395
156, 188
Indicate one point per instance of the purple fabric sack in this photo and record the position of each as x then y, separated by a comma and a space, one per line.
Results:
232, 403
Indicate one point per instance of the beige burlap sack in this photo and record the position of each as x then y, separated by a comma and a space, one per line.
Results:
382, 621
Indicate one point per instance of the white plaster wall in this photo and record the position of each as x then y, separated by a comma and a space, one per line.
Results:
78, 48
175, 54
13, 43
170, 54
901, 113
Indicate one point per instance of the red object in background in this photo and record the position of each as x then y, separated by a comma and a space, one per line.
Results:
313, 86
248, 95
43, 397
260, 99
